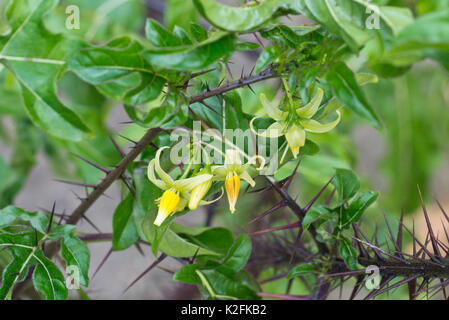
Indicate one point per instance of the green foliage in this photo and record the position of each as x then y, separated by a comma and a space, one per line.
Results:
58, 86
23, 234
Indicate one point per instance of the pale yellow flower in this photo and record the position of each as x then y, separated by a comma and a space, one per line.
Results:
294, 125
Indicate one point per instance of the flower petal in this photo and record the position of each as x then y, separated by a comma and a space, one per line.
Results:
272, 111
275, 130
296, 138
315, 126
162, 174
198, 194
232, 185
167, 205
245, 176
232, 157
190, 183
311, 108
151, 176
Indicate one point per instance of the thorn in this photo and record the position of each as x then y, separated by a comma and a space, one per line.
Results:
51, 218
122, 154
77, 183
155, 263
91, 163
106, 257
130, 140
310, 204
436, 249
274, 208
250, 88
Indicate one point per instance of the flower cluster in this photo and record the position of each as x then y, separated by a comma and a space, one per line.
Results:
294, 123
189, 192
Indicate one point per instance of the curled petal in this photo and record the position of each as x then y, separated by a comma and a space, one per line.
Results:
311, 108
250, 162
151, 176
190, 183
204, 203
245, 176
315, 126
296, 138
275, 130
273, 112
162, 174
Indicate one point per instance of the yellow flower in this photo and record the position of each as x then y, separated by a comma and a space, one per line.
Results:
177, 192
232, 171
294, 125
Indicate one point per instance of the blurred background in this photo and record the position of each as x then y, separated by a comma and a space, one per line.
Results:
412, 150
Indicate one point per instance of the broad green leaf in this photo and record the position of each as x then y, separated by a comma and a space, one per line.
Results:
198, 32
357, 207
268, 56
38, 220
192, 58
228, 286
302, 270
237, 255
346, 89
118, 71
346, 183
187, 274
348, 253
47, 278
427, 37
124, 230
172, 111
76, 254
237, 19
315, 213
36, 57
179, 13
159, 36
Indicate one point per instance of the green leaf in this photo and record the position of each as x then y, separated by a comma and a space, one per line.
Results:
47, 278
346, 89
180, 13
357, 207
75, 253
124, 230
198, 32
348, 253
192, 58
346, 183
302, 270
159, 36
38, 220
228, 286
315, 213
237, 255
268, 56
238, 19
36, 57
187, 274
118, 71
427, 37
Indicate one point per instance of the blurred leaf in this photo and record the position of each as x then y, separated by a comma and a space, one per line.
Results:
118, 71
268, 56
124, 229
346, 183
192, 58
348, 253
237, 255
346, 89
301, 270
357, 207
29, 38
180, 13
